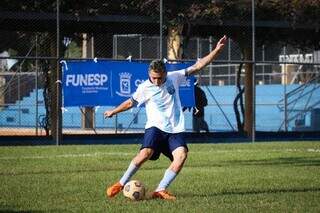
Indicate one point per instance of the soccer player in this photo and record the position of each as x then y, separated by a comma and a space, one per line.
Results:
165, 121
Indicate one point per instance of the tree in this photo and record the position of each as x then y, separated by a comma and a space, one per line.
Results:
284, 22
292, 17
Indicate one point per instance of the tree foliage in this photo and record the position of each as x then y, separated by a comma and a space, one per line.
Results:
293, 14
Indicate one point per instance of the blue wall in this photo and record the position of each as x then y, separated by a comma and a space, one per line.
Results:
268, 118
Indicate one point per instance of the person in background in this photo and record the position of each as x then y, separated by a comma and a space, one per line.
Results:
201, 101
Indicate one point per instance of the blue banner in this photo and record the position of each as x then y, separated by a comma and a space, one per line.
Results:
109, 83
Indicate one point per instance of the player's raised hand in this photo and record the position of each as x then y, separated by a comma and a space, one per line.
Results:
108, 114
221, 43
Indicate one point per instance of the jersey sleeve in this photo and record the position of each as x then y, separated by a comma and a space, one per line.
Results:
179, 75
138, 97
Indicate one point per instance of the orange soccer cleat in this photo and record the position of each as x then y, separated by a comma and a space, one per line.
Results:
114, 190
163, 195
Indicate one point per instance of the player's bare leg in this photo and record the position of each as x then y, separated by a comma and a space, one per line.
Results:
142, 156
179, 157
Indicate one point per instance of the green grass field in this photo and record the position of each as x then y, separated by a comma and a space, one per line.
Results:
260, 177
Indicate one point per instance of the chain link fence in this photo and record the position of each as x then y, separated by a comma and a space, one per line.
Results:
36, 35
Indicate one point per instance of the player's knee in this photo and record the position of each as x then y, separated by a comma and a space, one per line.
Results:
182, 156
143, 156
179, 158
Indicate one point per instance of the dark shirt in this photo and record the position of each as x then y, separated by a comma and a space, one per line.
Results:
201, 102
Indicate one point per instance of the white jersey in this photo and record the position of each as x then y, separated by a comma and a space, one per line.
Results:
163, 106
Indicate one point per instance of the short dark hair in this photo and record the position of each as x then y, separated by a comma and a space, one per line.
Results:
157, 65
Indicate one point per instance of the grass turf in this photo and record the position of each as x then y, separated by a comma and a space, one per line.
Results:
260, 177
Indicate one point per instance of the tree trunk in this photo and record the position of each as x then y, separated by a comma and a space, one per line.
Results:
53, 90
88, 113
174, 42
46, 122
2, 92
248, 121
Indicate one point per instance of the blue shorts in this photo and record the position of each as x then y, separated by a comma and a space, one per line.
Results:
162, 142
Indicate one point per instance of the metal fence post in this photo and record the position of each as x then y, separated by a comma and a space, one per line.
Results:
161, 23
285, 92
36, 85
253, 75
58, 124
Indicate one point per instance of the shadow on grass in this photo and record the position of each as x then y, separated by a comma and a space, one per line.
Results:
10, 209
20, 211
7, 210
295, 161
289, 161
253, 192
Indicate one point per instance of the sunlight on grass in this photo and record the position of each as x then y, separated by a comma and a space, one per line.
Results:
276, 177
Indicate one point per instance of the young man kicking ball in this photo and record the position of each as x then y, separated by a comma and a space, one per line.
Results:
165, 121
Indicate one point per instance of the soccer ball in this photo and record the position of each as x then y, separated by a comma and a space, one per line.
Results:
134, 190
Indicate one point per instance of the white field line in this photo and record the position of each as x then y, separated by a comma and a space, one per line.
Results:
99, 154
96, 154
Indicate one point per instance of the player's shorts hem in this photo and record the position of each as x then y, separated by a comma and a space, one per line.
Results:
162, 142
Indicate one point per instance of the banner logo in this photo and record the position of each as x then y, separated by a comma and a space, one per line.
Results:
92, 79
125, 84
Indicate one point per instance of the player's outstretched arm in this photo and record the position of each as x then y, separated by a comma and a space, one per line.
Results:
122, 107
203, 62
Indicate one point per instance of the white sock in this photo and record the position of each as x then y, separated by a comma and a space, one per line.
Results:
168, 177
129, 173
